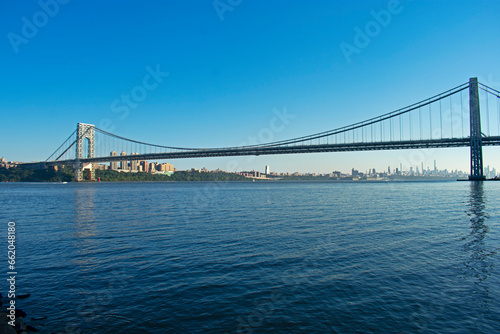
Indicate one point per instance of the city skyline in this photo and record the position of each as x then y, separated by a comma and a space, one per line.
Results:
234, 75
156, 167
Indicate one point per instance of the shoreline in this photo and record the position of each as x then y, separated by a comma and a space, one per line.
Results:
250, 181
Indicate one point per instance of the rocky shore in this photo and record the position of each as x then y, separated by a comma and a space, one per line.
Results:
20, 326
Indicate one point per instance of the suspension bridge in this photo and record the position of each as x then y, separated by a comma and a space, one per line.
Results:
449, 119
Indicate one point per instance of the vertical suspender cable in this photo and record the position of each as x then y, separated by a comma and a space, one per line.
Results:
420, 121
462, 112
487, 113
390, 129
451, 113
430, 121
400, 129
411, 130
441, 119
498, 115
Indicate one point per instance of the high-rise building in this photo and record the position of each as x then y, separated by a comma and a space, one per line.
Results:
113, 165
268, 170
144, 165
134, 163
165, 167
355, 173
123, 163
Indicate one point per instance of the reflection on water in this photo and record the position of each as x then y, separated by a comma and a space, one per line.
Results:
479, 263
152, 258
85, 229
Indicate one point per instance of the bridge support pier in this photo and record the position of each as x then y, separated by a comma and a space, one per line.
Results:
85, 134
84, 172
476, 142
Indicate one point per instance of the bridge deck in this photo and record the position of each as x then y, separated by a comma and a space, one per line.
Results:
271, 150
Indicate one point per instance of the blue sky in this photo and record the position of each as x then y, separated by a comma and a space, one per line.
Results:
231, 66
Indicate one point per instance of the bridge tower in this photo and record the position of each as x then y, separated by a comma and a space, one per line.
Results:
476, 141
84, 131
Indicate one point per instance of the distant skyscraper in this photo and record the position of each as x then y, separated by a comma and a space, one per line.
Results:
268, 170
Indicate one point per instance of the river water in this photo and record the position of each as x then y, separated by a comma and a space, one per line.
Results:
256, 257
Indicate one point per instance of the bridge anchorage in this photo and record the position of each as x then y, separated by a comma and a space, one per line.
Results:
437, 122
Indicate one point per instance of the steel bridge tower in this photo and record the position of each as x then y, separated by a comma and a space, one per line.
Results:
84, 131
476, 141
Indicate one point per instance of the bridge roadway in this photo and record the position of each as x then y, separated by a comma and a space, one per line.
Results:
270, 150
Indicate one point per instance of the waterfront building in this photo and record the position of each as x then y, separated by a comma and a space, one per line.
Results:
123, 163
113, 165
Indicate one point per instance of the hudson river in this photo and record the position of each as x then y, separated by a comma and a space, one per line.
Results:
302, 257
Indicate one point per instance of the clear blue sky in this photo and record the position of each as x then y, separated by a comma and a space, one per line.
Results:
230, 67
